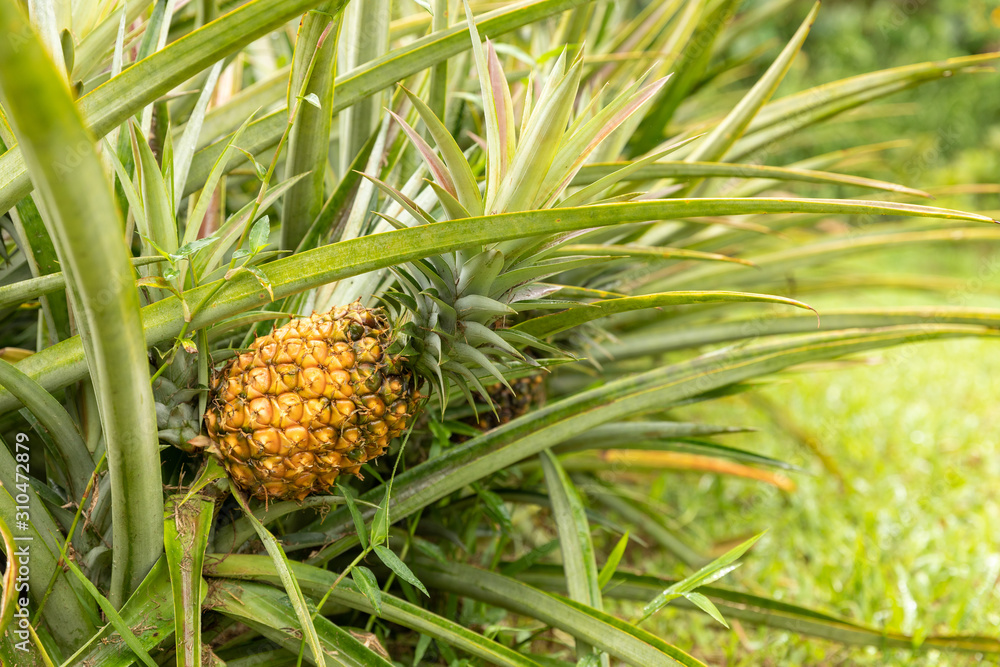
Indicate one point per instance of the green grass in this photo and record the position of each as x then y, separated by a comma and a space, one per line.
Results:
901, 536
905, 543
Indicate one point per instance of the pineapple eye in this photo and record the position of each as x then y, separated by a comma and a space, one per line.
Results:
355, 330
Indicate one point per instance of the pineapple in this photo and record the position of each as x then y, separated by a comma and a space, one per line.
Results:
509, 403
316, 397
324, 394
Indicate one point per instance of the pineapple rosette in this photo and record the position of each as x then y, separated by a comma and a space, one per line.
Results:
324, 394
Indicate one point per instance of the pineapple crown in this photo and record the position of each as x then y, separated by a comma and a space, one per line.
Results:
451, 303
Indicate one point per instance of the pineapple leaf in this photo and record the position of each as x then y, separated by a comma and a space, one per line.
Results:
504, 109
419, 215
466, 187
266, 610
438, 168
478, 335
116, 621
197, 215
70, 447
596, 628
318, 581
186, 525
188, 142
288, 581
770, 612
478, 273
595, 189
735, 123
575, 544
611, 564
539, 145
577, 147
548, 325
452, 207
646, 252
494, 150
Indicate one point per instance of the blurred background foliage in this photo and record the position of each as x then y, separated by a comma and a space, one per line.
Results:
953, 125
896, 520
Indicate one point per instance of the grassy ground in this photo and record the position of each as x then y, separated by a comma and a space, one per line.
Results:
899, 532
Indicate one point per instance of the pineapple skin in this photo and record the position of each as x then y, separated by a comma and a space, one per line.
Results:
313, 399
529, 394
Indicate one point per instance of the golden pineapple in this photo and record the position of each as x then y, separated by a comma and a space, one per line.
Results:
316, 397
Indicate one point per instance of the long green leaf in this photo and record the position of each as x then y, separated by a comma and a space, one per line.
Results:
732, 126
75, 457
158, 208
640, 343
306, 622
547, 325
366, 39
781, 261
186, 524
647, 252
313, 66
575, 544
85, 227
791, 114
73, 614
760, 610
114, 619
269, 611
148, 616
26, 290
618, 638
317, 581
61, 364
35, 240
590, 173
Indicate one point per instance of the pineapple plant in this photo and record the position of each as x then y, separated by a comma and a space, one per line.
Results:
302, 315
325, 394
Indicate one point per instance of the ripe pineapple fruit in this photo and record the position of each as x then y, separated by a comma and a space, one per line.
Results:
316, 397
324, 394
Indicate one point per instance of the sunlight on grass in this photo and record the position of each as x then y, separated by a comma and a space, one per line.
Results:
904, 542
